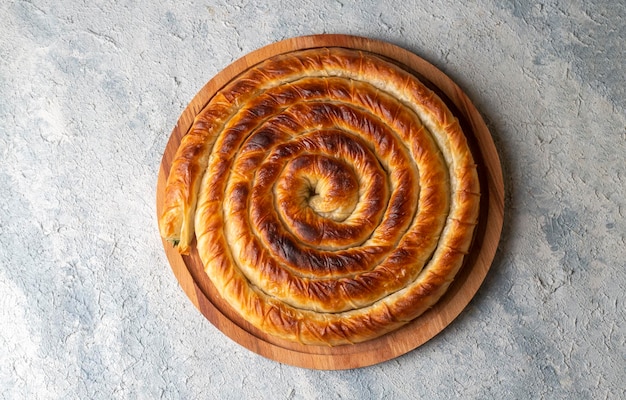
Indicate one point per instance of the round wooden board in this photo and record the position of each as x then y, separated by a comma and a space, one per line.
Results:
189, 270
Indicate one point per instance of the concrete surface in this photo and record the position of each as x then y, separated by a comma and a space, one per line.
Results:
89, 92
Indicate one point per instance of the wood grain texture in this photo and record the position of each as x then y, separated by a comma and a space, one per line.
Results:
189, 270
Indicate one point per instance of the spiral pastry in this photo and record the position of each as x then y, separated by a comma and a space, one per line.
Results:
332, 195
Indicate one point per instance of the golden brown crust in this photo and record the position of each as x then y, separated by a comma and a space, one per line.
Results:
334, 196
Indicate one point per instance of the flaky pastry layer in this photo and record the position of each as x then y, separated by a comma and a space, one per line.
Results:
333, 196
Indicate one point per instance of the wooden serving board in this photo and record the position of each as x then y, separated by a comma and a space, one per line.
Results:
189, 270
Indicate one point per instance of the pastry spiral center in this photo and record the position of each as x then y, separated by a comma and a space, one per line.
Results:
314, 193
331, 189
325, 196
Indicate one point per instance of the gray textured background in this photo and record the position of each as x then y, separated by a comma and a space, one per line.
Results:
89, 93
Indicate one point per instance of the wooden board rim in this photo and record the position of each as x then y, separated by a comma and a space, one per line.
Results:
430, 323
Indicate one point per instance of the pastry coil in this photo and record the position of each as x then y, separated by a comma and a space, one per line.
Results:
332, 195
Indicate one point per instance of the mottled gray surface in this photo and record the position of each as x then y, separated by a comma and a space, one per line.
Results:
89, 92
